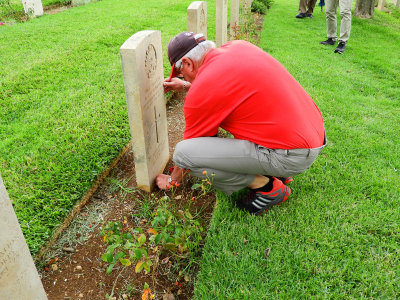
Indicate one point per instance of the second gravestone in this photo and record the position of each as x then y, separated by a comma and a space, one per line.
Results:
221, 22
142, 65
197, 17
18, 276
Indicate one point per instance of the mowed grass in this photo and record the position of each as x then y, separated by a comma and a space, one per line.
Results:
63, 115
338, 235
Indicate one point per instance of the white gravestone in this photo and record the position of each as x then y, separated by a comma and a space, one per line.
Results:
19, 278
221, 22
142, 65
197, 17
33, 7
381, 5
234, 22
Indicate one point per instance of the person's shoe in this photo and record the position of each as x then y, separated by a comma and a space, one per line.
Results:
300, 15
308, 15
329, 41
340, 48
286, 180
258, 202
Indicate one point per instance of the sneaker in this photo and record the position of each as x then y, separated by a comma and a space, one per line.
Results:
329, 41
286, 180
340, 48
308, 15
300, 15
258, 202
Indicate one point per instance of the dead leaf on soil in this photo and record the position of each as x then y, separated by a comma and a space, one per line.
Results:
165, 261
168, 297
266, 252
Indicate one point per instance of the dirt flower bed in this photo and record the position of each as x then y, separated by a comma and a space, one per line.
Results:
128, 244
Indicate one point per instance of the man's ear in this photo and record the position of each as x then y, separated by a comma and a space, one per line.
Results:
188, 63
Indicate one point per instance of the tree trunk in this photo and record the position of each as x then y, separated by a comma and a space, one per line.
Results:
364, 8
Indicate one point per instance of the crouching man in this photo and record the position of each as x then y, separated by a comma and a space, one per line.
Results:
278, 130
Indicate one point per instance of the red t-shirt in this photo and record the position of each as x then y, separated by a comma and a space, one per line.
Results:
245, 91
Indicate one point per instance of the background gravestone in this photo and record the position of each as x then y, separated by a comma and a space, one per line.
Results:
381, 4
18, 276
221, 22
234, 22
80, 2
197, 17
33, 7
142, 65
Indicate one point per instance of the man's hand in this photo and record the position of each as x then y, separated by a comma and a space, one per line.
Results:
175, 84
176, 176
162, 182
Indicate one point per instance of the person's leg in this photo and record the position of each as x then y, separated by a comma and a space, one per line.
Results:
231, 164
310, 6
345, 21
331, 23
303, 6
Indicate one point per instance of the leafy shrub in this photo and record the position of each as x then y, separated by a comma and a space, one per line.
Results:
259, 7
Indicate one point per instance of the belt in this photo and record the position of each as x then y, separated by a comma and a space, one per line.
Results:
302, 151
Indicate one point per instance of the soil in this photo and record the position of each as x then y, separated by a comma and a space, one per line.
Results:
73, 269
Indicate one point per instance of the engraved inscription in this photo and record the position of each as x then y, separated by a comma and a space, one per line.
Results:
156, 119
202, 19
8, 257
150, 61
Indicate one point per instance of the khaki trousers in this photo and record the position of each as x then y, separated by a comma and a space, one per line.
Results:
307, 6
235, 163
345, 22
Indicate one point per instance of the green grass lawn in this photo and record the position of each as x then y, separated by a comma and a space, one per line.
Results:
63, 114
338, 235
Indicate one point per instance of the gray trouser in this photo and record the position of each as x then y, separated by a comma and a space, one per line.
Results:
235, 163
345, 21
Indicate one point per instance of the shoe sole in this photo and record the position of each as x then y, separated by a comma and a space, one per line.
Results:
287, 194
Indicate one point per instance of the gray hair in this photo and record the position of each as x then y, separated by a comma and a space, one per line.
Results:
197, 52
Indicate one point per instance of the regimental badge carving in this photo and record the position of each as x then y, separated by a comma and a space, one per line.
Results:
202, 19
150, 63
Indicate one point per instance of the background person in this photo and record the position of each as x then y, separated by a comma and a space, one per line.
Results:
331, 23
306, 8
278, 130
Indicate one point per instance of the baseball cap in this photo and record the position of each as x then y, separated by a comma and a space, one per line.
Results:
180, 45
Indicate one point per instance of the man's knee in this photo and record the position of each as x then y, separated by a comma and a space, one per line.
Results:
181, 155
346, 14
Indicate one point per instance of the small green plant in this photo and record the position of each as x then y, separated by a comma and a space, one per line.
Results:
10, 10
126, 248
205, 185
178, 232
245, 30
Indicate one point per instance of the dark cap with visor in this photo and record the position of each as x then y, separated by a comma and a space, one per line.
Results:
180, 45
